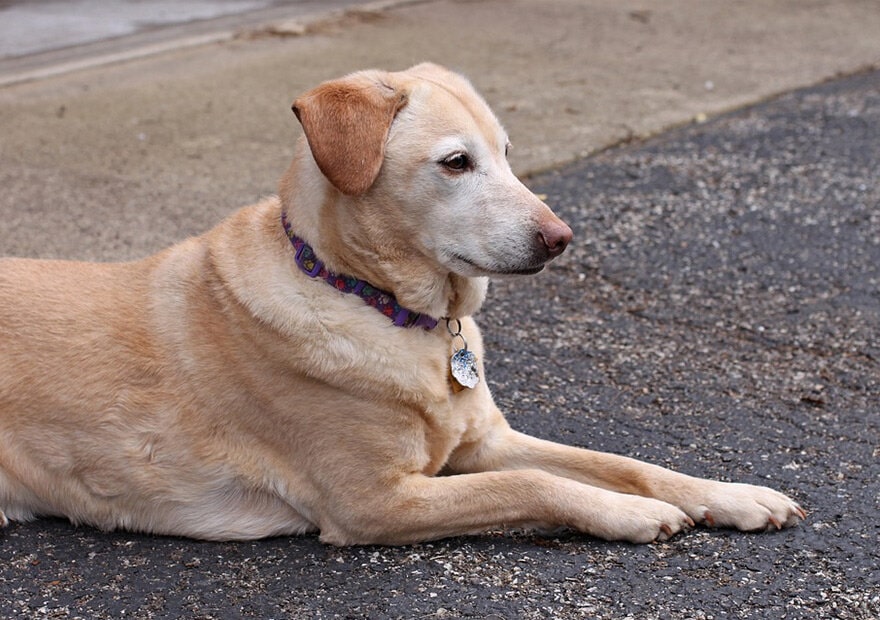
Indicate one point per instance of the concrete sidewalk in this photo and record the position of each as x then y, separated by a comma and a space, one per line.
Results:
41, 39
129, 157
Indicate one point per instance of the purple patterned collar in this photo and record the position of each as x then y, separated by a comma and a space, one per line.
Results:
381, 300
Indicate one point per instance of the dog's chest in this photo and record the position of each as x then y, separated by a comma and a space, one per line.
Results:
463, 418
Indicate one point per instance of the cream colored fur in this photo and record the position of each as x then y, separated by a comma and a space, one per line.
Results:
215, 391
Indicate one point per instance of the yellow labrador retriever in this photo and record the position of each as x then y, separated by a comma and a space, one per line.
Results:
310, 364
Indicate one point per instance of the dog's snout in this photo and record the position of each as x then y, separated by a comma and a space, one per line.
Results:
555, 235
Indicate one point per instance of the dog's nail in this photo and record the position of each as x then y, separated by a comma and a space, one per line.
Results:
800, 512
707, 517
689, 521
666, 530
775, 522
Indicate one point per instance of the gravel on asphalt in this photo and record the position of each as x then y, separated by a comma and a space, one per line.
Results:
718, 313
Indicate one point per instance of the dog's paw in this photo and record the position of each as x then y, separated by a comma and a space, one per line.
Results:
637, 519
746, 507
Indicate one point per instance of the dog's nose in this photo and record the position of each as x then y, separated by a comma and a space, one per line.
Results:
555, 235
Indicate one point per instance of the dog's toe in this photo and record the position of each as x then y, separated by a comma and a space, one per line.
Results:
749, 508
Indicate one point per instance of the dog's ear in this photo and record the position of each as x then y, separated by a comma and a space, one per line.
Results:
346, 123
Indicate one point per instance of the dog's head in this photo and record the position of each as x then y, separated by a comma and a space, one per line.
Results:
424, 153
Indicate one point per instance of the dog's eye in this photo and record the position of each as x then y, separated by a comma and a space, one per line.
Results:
457, 162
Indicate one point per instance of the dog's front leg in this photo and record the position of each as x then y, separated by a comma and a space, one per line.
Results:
742, 506
424, 508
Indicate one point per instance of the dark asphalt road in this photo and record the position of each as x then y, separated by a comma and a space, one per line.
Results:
718, 313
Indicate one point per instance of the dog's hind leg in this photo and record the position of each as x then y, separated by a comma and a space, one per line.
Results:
14, 500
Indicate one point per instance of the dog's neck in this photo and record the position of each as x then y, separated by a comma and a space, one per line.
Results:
352, 242
383, 301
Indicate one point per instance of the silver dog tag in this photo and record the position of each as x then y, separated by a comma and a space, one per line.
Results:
463, 365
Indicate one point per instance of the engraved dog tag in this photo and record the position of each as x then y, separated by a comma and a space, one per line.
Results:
463, 365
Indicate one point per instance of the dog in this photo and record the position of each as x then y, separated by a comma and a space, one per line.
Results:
310, 364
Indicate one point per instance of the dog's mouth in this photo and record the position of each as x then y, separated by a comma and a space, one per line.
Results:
498, 271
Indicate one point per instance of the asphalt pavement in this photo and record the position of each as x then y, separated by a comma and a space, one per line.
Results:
717, 313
